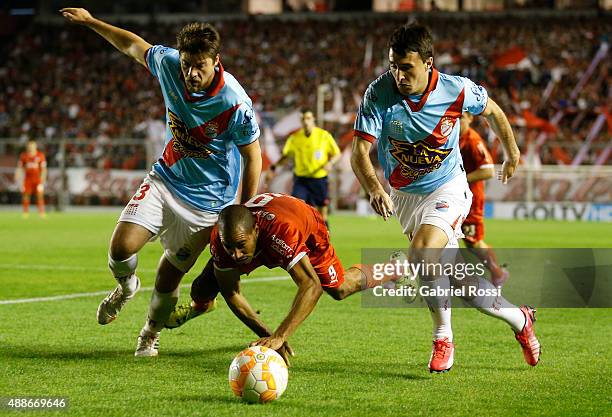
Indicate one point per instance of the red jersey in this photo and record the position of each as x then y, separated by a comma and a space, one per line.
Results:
288, 230
475, 155
32, 165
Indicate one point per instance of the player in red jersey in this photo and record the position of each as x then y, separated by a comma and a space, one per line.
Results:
31, 174
273, 230
479, 167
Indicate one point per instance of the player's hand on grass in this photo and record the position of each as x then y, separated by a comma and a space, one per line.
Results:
381, 203
76, 15
285, 351
272, 342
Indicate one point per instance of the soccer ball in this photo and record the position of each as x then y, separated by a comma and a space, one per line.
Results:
258, 374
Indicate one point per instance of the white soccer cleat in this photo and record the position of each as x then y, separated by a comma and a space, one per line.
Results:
408, 282
148, 344
113, 303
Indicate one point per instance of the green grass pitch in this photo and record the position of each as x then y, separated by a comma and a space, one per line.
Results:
351, 361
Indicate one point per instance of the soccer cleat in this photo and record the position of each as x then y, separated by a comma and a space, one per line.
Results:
527, 338
410, 287
148, 344
498, 281
185, 312
442, 356
113, 303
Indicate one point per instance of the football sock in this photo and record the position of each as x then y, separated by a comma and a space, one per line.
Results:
26, 205
498, 306
123, 271
160, 308
368, 279
440, 308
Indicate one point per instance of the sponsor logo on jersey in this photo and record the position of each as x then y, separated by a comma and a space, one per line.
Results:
280, 246
185, 144
416, 159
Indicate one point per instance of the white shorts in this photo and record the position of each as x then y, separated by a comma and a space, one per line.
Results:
445, 208
183, 230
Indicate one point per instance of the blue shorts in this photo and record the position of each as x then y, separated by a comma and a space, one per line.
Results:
314, 191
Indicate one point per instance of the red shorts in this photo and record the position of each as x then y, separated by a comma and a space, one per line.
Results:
328, 267
30, 186
473, 231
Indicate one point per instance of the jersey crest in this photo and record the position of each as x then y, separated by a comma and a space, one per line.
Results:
446, 126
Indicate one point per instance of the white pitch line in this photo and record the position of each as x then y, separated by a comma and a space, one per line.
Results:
91, 294
42, 267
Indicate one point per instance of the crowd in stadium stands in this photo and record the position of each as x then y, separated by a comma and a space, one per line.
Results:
65, 81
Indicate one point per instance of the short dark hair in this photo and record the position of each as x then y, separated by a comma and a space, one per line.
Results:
235, 217
305, 110
198, 37
412, 37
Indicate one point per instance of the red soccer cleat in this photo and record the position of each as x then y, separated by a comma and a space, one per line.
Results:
527, 338
442, 355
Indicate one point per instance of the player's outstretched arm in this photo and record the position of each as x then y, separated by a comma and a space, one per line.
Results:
229, 284
127, 42
251, 154
308, 294
364, 170
480, 174
501, 126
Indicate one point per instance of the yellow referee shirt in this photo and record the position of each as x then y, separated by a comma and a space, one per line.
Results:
310, 153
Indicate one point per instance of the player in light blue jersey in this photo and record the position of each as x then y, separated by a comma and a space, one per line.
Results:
412, 112
210, 127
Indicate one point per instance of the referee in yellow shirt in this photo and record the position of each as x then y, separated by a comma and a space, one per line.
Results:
313, 151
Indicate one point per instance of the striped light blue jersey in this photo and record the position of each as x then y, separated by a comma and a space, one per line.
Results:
418, 137
201, 162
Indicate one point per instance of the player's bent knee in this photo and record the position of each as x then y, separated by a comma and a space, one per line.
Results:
204, 287
120, 252
337, 293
